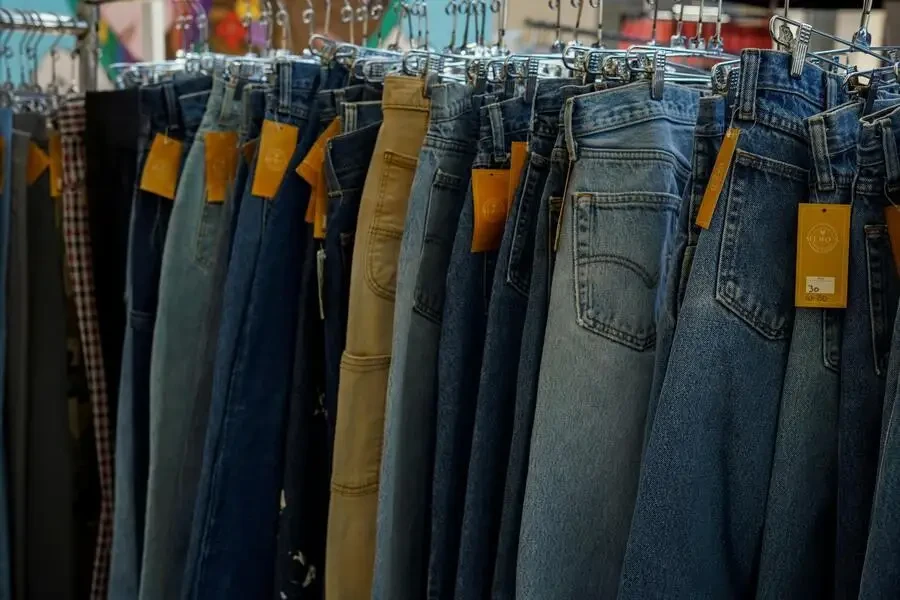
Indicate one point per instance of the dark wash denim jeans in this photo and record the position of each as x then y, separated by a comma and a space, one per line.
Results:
600, 337
698, 522
436, 199
466, 299
232, 551
866, 342
532, 348
175, 109
492, 430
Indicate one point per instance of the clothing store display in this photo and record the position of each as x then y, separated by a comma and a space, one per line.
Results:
361, 323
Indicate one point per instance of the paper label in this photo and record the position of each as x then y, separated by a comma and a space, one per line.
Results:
276, 146
56, 165
160, 174
717, 179
38, 161
221, 163
312, 170
892, 218
823, 255
490, 191
517, 163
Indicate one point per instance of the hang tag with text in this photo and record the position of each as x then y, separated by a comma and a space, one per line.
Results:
823, 255
38, 161
221, 163
518, 159
314, 161
56, 165
276, 146
490, 191
717, 179
892, 218
160, 174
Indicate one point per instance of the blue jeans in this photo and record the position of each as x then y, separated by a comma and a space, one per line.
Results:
495, 406
438, 192
232, 551
532, 347
303, 521
463, 322
175, 109
708, 134
183, 343
600, 338
866, 343
698, 521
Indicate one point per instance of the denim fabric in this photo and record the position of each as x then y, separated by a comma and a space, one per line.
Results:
6, 163
232, 550
495, 407
463, 322
183, 343
331, 99
599, 344
698, 521
866, 342
346, 165
436, 198
175, 109
302, 525
532, 347
708, 136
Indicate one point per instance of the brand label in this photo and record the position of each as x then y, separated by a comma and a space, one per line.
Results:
490, 192
221, 164
276, 146
160, 174
717, 179
823, 255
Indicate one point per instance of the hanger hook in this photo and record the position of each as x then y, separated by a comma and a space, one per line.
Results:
33, 52
53, 87
698, 42
862, 37
309, 17
283, 20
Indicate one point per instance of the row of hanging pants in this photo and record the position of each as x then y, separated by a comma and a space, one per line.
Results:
455, 342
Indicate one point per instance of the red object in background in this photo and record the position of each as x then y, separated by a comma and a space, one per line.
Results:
231, 31
739, 34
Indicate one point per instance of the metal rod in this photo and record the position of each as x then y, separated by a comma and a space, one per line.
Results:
44, 22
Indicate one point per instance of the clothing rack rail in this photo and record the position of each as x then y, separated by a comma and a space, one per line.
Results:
83, 27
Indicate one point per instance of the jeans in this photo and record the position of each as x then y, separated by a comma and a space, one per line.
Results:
866, 342
532, 348
232, 548
698, 520
174, 109
463, 321
303, 520
601, 333
445, 161
495, 407
708, 134
183, 343
367, 355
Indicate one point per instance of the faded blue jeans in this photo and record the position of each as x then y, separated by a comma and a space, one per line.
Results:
183, 343
232, 549
597, 366
176, 110
436, 199
698, 521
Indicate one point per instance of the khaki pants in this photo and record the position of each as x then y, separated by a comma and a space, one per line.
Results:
367, 356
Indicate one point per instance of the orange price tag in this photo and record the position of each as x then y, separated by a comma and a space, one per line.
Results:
221, 164
717, 180
823, 255
490, 192
276, 146
160, 174
38, 161
56, 165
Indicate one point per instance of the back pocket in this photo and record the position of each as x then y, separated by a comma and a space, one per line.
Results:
755, 279
618, 252
397, 174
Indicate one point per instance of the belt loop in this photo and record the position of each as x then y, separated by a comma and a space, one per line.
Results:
818, 137
496, 115
571, 146
746, 103
891, 159
172, 110
284, 88
351, 117
340, 96
227, 113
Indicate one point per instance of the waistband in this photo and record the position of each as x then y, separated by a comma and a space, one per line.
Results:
356, 115
295, 83
876, 153
831, 134
501, 124
117, 113
331, 101
770, 71
351, 153
710, 116
551, 94
629, 104
160, 107
405, 93
224, 106
449, 100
